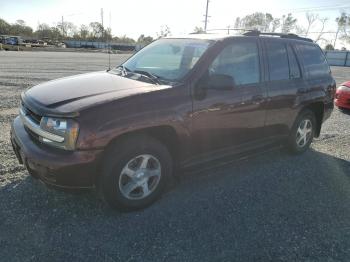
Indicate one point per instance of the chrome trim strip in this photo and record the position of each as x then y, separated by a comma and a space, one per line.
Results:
37, 129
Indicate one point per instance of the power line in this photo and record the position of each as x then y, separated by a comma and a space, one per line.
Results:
320, 8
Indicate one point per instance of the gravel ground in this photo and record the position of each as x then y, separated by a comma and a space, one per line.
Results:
271, 207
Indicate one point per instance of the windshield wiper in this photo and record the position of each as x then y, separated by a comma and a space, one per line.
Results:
153, 77
123, 70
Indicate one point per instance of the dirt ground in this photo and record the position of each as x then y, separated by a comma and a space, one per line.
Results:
271, 207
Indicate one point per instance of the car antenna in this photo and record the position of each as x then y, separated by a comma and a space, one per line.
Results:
109, 43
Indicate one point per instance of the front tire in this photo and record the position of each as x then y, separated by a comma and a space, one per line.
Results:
302, 132
136, 172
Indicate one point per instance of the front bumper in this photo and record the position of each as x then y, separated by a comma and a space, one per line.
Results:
55, 167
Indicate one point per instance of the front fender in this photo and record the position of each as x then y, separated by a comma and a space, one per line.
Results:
101, 126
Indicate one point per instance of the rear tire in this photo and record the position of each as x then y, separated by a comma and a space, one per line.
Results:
302, 132
135, 173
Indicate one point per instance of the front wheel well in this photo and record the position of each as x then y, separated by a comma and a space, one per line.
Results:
165, 134
318, 109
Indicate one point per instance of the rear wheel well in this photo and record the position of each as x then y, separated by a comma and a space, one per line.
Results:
317, 108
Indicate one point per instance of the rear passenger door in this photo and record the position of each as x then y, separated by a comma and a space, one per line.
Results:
284, 83
321, 85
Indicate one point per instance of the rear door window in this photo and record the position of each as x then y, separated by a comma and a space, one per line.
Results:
314, 61
278, 61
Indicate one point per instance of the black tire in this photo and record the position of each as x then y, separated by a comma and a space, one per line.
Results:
119, 156
292, 144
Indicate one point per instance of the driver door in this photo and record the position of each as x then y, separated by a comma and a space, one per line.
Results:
229, 118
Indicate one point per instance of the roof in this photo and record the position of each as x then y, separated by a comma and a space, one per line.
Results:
207, 36
251, 33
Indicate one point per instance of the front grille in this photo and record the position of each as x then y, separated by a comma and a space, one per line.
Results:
31, 133
33, 116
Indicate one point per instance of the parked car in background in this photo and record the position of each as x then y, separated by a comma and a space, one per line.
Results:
12, 40
177, 103
342, 96
12, 43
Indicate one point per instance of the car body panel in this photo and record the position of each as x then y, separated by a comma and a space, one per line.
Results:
207, 125
72, 94
227, 118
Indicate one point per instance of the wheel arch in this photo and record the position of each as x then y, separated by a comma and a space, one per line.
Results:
165, 134
318, 109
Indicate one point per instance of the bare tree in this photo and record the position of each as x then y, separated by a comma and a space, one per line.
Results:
164, 31
20, 22
84, 32
311, 19
275, 24
237, 22
68, 28
96, 30
259, 21
321, 32
288, 23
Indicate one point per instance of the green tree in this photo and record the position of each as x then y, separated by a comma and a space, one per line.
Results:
144, 39
124, 40
343, 24
20, 28
5, 28
198, 30
329, 47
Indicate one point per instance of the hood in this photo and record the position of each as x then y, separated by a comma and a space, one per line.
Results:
70, 94
346, 84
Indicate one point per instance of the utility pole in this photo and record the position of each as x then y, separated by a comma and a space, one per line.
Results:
206, 17
103, 29
62, 28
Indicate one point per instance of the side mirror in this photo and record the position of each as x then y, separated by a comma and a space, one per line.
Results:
214, 81
221, 82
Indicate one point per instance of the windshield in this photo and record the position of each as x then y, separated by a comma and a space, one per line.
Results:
168, 59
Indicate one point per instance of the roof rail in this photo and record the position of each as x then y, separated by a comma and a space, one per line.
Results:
228, 29
282, 35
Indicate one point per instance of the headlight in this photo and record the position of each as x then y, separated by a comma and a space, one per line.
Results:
68, 129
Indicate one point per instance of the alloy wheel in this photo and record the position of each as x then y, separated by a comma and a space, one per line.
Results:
304, 132
140, 177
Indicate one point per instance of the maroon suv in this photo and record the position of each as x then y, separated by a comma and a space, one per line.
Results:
179, 102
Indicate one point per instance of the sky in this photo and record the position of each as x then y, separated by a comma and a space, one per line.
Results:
136, 17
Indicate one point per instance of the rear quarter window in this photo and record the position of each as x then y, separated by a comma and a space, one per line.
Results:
315, 63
